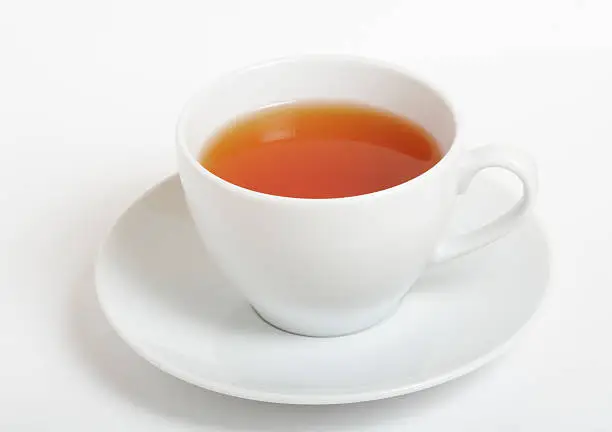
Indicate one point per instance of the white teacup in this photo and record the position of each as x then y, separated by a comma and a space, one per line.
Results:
328, 267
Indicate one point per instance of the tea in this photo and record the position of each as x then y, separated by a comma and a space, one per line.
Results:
320, 150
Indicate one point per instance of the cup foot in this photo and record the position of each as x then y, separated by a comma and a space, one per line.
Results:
317, 326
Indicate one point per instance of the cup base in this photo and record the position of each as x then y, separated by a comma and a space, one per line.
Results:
358, 322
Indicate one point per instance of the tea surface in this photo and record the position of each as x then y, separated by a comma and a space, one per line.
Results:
320, 150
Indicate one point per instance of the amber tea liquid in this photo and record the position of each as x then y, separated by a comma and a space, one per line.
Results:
320, 150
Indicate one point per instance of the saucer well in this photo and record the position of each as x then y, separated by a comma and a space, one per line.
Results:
165, 298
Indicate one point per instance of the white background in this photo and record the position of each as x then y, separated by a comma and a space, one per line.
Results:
89, 94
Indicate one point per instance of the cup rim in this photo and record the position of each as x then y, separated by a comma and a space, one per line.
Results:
357, 60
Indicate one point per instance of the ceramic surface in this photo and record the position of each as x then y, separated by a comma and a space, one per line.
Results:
327, 267
165, 298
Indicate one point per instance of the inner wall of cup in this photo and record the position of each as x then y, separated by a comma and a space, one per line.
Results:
314, 80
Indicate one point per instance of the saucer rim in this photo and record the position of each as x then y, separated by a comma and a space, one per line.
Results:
242, 392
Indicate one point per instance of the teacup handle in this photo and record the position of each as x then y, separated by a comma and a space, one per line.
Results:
492, 156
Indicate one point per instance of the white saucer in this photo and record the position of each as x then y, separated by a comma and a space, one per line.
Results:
162, 295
